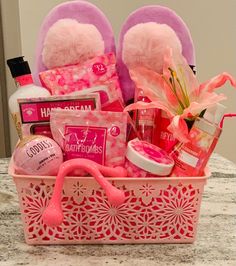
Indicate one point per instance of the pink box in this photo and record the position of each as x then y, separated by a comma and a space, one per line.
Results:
156, 210
35, 112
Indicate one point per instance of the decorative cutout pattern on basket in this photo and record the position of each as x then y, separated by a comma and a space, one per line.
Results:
153, 212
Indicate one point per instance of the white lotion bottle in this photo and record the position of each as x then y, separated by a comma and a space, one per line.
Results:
21, 73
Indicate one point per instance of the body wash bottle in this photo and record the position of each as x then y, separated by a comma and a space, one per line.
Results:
191, 158
145, 118
21, 73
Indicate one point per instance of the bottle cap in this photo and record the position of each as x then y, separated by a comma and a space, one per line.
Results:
18, 66
215, 113
149, 157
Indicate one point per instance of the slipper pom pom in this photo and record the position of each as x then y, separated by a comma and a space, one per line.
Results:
70, 42
145, 44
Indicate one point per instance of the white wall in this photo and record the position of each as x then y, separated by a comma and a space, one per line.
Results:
12, 47
212, 24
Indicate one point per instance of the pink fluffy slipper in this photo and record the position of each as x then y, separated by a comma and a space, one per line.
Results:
71, 33
142, 39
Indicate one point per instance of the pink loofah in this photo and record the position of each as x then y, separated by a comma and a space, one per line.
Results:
145, 44
70, 42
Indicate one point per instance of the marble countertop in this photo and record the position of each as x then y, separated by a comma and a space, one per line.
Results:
215, 244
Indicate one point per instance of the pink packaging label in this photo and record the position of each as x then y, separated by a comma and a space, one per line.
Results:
85, 142
99, 69
40, 111
103, 129
95, 72
151, 152
166, 140
192, 157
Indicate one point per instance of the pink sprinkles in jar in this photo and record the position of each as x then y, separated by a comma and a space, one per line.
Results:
147, 160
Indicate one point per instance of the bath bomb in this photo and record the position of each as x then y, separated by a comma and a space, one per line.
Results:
37, 155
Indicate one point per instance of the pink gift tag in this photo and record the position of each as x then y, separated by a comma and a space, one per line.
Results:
96, 135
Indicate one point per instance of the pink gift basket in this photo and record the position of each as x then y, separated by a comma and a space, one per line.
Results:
155, 160
164, 210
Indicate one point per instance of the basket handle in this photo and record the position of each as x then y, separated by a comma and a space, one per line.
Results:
53, 215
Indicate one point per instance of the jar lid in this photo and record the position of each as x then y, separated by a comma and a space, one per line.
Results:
149, 157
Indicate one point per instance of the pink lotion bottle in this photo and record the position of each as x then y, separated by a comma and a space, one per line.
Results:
21, 73
191, 158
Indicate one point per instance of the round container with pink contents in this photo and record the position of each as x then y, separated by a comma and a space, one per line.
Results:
147, 160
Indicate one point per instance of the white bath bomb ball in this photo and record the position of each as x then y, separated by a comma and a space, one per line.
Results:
69, 42
145, 44
37, 155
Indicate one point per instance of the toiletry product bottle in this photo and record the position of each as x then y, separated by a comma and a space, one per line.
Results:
191, 158
162, 137
21, 73
145, 118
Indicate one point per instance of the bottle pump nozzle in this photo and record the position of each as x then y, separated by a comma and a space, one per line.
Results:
18, 66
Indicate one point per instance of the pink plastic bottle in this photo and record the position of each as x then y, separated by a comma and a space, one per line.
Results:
144, 119
191, 158
162, 137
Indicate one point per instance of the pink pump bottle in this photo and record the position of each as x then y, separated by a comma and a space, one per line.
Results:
191, 158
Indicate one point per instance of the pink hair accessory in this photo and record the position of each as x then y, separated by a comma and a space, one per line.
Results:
53, 216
